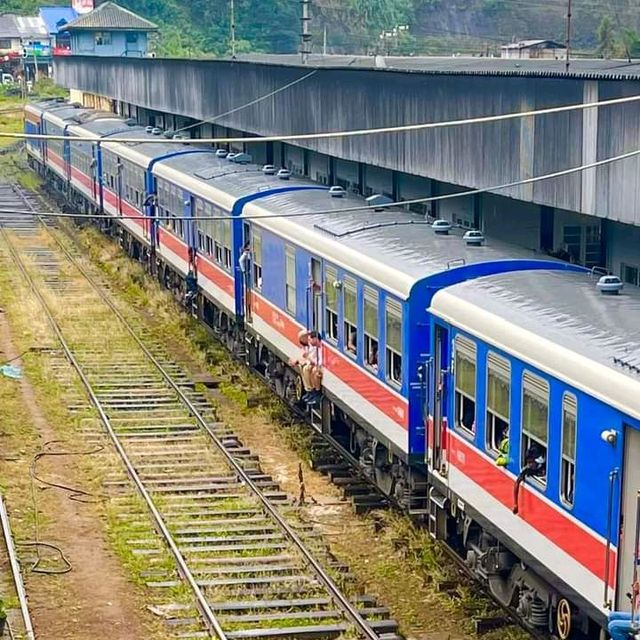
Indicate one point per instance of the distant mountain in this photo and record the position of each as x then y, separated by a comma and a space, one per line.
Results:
507, 20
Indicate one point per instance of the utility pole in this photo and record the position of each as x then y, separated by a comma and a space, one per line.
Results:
568, 42
232, 22
305, 44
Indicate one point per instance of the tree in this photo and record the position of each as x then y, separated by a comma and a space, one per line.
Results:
631, 41
606, 37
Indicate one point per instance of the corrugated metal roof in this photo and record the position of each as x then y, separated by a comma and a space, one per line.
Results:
30, 26
8, 26
112, 17
591, 69
566, 309
56, 17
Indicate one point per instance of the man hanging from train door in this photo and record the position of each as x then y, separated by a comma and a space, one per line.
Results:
624, 625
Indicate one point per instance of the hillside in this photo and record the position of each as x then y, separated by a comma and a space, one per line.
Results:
354, 26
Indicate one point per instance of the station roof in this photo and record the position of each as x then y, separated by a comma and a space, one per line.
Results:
595, 69
111, 17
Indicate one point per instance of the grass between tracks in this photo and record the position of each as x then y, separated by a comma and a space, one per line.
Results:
395, 560
55, 388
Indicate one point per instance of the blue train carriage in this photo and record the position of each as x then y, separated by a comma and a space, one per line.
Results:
539, 369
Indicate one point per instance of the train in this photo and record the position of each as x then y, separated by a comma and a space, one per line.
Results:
492, 391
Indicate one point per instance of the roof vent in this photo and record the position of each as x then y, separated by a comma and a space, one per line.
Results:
337, 192
242, 158
441, 227
284, 174
156, 131
610, 285
377, 200
474, 238
269, 169
221, 153
148, 129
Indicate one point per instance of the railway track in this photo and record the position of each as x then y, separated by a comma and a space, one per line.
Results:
18, 624
251, 567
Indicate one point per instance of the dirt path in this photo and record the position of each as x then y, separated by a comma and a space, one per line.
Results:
94, 600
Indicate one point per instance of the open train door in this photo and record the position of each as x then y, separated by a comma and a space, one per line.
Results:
437, 418
628, 551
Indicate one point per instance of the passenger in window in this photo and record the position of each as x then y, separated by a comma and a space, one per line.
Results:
503, 448
535, 465
352, 342
469, 416
373, 358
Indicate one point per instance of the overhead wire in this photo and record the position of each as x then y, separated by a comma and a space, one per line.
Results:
249, 104
364, 207
334, 134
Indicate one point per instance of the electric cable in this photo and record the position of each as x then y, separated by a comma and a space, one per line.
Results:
350, 133
75, 494
364, 207
248, 104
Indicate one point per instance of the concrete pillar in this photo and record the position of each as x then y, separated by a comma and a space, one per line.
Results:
589, 148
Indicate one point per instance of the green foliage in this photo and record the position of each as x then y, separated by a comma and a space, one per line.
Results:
631, 42
606, 37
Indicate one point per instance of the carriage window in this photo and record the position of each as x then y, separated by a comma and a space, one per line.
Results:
498, 396
256, 236
465, 383
568, 471
393, 317
209, 245
371, 328
331, 303
290, 286
200, 241
350, 310
218, 234
226, 244
535, 421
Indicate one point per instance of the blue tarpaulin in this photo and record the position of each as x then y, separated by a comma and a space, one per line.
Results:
11, 371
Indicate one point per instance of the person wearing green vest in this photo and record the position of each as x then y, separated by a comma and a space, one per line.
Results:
503, 448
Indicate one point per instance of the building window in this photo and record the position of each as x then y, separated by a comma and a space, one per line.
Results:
629, 274
256, 236
535, 423
568, 470
103, 38
393, 318
350, 311
5, 44
371, 328
498, 401
331, 303
132, 37
465, 383
290, 285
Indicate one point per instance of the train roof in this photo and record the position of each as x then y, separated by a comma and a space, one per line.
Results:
560, 323
393, 248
